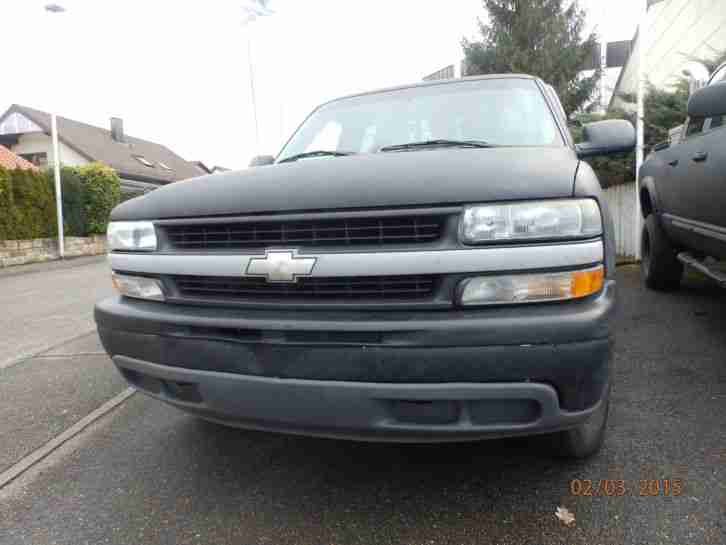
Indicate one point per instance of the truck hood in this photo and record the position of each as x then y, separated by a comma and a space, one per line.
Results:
408, 178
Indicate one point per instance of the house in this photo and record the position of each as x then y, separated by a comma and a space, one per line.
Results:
11, 161
141, 165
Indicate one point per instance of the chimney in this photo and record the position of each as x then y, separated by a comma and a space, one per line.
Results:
117, 129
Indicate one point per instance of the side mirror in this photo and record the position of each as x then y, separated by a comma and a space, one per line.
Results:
262, 160
606, 137
708, 101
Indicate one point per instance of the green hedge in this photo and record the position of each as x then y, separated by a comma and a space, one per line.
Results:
74, 217
101, 192
27, 201
27, 205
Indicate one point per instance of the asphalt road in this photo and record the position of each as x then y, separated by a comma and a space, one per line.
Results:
45, 304
145, 473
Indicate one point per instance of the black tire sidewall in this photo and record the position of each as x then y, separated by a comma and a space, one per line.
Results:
659, 265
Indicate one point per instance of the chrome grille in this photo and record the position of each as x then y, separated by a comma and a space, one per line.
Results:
413, 229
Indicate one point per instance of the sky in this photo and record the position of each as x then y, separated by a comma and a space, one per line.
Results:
177, 71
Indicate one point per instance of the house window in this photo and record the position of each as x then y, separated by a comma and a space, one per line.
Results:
38, 159
144, 161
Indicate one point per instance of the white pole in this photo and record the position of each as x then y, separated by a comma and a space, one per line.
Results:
55, 8
56, 176
639, 129
252, 89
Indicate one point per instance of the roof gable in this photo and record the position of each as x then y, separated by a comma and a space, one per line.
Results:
96, 144
17, 123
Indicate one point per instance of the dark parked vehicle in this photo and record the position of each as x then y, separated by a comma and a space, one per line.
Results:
683, 194
424, 263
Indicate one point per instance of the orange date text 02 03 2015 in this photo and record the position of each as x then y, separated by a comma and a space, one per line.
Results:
623, 487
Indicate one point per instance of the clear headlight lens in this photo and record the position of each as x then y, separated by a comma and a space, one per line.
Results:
131, 235
565, 218
139, 287
531, 288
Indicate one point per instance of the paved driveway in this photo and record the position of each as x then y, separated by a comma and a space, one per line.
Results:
145, 473
47, 303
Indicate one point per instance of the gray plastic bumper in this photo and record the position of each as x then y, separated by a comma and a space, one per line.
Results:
357, 410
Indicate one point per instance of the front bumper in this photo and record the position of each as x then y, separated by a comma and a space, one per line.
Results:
399, 376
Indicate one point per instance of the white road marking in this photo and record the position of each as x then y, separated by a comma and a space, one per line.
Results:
23, 465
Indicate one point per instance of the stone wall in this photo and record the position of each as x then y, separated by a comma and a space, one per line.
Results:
20, 252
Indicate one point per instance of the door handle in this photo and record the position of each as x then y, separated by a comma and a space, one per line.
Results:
673, 163
700, 156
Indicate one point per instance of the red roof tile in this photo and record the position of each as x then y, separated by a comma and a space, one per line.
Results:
9, 160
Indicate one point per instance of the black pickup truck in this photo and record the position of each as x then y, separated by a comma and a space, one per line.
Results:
432, 262
683, 194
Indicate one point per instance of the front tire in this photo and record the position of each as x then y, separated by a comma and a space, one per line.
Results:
659, 265
586, 439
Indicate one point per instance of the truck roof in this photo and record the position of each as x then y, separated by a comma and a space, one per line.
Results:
430, 84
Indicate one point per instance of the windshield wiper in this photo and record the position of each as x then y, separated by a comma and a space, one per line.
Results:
316, 153
439, 143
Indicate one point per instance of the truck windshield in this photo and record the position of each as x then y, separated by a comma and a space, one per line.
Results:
500, 112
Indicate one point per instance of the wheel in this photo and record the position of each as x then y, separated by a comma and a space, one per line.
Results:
659, 265
587, 438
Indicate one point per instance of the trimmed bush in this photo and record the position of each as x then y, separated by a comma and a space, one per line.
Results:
27, 205
101, 193
74, 215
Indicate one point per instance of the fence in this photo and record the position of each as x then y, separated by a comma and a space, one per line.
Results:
621, 201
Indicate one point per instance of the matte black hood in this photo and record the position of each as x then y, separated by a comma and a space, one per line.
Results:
409, 178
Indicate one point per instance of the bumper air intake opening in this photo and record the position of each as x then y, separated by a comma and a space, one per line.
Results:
424, 412
182, 391
504, 411
142, 381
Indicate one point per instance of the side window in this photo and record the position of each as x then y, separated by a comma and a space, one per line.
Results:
695, 126
719, 76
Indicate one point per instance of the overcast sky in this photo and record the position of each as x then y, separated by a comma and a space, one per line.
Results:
176, 71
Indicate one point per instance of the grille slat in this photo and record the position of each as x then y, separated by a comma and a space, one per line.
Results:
338, 232
338, 288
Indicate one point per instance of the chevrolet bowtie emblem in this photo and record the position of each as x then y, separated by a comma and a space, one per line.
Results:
280, 266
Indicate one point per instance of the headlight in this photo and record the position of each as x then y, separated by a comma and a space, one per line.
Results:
531, 288
557, 219
139, 287
131, 235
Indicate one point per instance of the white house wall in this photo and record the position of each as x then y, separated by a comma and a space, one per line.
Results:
41, 143
676, 30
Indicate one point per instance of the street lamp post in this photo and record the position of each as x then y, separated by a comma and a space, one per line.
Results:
57, 179
55, 8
